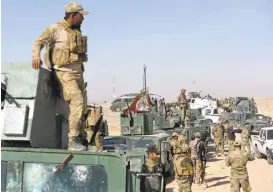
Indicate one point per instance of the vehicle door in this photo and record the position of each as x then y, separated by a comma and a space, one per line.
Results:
166, 157
261, 141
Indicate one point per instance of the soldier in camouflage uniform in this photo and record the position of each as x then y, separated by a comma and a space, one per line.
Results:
151, 166
237, 160
183, 169
218, 133
196, 160
66, 51
173, 142
182, 102
93, 116
187, 116
245, 135
182, 137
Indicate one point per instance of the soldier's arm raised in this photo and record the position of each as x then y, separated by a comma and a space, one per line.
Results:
47, 36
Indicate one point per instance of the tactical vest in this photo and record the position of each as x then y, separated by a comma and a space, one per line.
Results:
181, 166
74, 51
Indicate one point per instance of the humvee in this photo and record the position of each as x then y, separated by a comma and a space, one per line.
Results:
34, 140
242, 118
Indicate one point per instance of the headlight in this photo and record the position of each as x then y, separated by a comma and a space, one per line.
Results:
135, 164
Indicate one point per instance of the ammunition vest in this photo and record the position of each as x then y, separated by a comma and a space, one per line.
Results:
73, 52
181, 166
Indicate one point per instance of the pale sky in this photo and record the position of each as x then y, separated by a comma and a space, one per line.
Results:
225, 46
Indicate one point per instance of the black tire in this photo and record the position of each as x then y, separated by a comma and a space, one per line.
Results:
269, 158
257, 153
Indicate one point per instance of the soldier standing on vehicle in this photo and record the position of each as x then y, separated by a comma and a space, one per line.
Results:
218, 134
238, 172
245, 135
66, 51
152, 165
182, 102
92, 119
184, 169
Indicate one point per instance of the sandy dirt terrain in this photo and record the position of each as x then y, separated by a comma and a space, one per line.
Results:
217, 174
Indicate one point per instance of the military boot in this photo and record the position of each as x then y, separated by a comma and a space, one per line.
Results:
76, 145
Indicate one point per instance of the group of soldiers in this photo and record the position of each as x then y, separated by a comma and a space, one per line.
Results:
189, 159
224, 133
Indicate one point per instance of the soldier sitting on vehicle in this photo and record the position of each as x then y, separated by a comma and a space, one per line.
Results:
152, 165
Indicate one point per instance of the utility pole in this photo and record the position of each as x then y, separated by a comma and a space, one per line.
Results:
144, 78
114, 90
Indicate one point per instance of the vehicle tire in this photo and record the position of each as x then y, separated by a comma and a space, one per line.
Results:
269, 158
117, 109
257, 153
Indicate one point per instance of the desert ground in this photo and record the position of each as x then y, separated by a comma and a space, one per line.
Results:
217, 174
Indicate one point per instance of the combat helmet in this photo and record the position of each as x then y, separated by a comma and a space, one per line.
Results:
175, 134
237, 143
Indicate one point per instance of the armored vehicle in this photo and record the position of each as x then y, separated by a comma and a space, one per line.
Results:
137, 145
34, 137
243, 104
240, 119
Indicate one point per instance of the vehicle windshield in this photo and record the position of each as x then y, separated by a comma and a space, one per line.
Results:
143, 143
270, 135
114, 141
38, 177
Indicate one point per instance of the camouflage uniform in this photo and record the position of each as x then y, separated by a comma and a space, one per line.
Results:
174, 142
188, 116
196, 161
182, 138
239, 175
151, 166
184, 169
218, 134
92, 118
245, 138
67, 58
182, 101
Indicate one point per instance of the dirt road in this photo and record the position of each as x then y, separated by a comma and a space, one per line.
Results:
217, 176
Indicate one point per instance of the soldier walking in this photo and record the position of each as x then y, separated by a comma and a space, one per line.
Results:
237, 160
182, 102
184, 169
218, 133
194, 158
245, 135
231, 136
66, 51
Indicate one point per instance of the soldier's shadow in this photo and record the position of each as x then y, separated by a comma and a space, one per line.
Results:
219, 183
215, 179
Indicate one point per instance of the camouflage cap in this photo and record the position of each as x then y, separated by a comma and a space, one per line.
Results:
247, 125
153, 149
184, 148
175, 134
237, 143
75, 8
